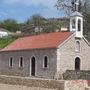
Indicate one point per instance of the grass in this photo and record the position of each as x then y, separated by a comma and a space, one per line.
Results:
6, 41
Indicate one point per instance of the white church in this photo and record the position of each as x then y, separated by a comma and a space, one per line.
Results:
48, 55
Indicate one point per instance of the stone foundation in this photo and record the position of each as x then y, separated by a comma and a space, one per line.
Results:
32, 82
73, 75
44, 84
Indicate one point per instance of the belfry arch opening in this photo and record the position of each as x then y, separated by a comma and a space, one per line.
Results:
79, 25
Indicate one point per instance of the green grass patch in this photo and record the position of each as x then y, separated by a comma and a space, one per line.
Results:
6, 41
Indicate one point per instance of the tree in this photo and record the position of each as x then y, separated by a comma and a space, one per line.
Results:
37, 24
10, 24
68, 6
35, 21
87, 26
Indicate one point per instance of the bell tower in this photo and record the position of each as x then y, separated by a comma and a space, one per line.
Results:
76, 21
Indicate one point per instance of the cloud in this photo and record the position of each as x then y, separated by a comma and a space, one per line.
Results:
45, 8
47, 3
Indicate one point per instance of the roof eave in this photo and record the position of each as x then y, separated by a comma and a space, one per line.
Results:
28, 49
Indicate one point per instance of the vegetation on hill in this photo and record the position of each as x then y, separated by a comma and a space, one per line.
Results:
10, 24
37, 24
6, 41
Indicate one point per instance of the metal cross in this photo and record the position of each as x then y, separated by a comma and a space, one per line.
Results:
77, 5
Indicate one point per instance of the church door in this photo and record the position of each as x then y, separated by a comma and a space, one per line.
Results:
77, 63
33, 66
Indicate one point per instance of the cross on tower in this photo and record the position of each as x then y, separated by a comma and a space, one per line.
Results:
76, 4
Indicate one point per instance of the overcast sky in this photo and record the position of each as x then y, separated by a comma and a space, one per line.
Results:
23, 9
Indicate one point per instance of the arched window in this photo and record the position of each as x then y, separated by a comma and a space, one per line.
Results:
45, 62
21, 62
77, 63
33, 66
77, 46
10, 62
79, 25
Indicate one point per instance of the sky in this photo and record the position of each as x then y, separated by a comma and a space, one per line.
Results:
21, 10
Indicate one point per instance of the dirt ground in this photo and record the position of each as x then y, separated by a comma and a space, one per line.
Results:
17, 87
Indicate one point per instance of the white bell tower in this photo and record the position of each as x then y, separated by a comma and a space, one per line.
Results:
76, 21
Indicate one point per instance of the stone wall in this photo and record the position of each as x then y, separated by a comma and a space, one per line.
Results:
44, 84
76, 85
26, 70
67, 54
72, 75
33, 82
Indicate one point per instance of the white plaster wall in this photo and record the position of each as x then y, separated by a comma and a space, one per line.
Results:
2, 34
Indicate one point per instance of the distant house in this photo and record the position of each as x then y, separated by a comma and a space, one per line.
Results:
4, 32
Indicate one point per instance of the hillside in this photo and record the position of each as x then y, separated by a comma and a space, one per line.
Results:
6, 41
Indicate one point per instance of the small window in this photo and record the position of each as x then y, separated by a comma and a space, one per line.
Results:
79, 25
11, 62
45, 63
77, 46
21, 62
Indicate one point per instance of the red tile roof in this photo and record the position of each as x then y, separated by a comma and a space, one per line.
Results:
50, 40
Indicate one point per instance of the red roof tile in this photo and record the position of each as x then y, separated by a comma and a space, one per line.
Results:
50, 40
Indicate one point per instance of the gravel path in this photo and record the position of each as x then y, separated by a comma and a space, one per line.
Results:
17, 87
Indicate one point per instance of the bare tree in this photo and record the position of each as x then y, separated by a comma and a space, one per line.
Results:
84, 7
68, 6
